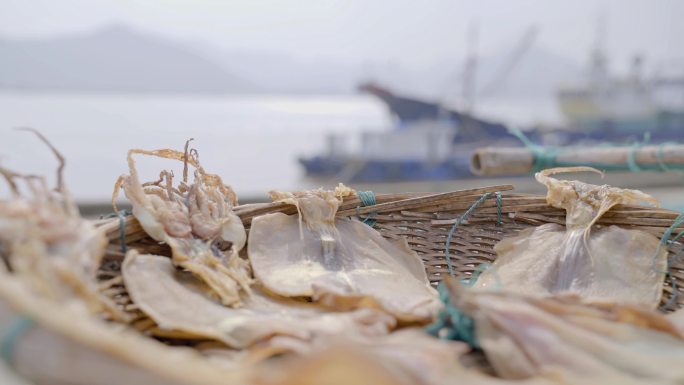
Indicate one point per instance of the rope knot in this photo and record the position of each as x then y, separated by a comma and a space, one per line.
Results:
367, 198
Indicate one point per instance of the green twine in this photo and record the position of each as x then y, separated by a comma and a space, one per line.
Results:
121, 214
660, 155
544, 157
116, 214
122, 230
17, 328
632, 164
673, 281
460, 220
663, 241
367, 198
452, 323
499, 205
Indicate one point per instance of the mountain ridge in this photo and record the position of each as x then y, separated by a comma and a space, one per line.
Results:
118, 58
112, 59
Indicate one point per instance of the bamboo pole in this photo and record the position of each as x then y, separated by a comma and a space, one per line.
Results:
493, 161
415, 205
411, 203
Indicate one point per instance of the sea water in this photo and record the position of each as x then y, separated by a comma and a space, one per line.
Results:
252, 141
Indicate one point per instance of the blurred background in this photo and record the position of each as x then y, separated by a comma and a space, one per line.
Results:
388, 95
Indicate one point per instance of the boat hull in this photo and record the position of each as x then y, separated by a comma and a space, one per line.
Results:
378, 171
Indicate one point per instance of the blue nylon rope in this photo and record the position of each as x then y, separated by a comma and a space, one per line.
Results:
543, 157
663, 241
632, 164
452, 323
631, 158
367, 198
122, 230
116, 214
121, 214
17, 328
660, 155
499, 204
460, 220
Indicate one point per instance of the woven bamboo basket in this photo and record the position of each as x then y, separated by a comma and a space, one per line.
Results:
65, 350
476, 220
473, 221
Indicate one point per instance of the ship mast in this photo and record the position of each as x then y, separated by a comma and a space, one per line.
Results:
469, 71
512, 60
598, 60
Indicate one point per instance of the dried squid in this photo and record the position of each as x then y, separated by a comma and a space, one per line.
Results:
196, 220
565, 339
605, 263
405, 357
45, 242
677, 318
341, 263
177, 303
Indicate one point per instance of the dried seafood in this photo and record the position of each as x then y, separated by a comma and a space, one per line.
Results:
565, 339
607, 263
177, 304
195, 219
45, 242
341, 263
362, 286
677, 318
402, 358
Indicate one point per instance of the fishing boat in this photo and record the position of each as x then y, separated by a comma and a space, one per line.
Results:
616, 107
407, 111
433, 143
428, 142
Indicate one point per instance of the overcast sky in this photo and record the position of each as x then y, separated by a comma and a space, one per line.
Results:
405, 32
